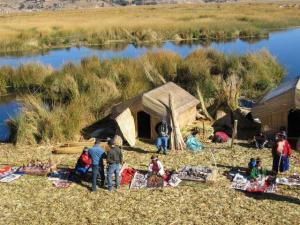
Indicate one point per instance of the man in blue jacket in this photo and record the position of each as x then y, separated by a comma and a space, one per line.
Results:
97, 155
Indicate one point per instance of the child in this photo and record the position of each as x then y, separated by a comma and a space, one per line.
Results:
281, 152
251, 165
258, 170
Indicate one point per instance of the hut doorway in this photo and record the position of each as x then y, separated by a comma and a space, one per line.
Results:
293, 124
144, 125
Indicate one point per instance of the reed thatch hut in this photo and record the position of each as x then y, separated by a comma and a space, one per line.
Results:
280, 109
148, 109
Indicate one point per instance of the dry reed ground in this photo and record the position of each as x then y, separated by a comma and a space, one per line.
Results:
165, 20
33, 200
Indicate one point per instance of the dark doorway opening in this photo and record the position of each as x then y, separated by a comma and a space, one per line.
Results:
294, 126
144, 125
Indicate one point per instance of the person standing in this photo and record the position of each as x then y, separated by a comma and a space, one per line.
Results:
163, 129
97, 154
281, 152
114, 160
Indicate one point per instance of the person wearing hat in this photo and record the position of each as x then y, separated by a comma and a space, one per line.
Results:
251, 165
155, 166
163, 130
258, 170
97, 154
114, 161
281, 152
83, 163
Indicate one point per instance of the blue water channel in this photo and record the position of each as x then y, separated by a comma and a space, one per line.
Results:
284, 45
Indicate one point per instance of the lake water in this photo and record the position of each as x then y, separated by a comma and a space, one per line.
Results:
284, 45
9, 108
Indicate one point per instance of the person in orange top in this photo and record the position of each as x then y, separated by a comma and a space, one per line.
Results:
281, 152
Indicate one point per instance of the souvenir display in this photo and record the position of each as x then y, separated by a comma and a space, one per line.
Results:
155, 181
195, 173
138, 181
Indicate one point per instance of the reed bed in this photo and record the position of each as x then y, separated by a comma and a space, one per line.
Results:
189, 203
43, 30
51, 97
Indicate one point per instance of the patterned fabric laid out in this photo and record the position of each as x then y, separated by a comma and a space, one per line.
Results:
261, 185
10, 178
195, 173
293, 180
62, 184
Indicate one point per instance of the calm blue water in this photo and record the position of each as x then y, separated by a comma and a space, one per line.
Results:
9, 108
284, 45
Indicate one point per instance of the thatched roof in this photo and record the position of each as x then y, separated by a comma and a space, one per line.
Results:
283, 98
156, 100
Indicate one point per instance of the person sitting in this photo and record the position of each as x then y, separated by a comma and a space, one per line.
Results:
260, 140
163, 130
258, 170
281, 152
156, 167
251, 165
220, 137
83, 163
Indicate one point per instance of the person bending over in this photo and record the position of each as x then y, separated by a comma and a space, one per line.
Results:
83, 163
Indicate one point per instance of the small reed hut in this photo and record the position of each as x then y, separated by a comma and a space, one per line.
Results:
148, 109
280, 109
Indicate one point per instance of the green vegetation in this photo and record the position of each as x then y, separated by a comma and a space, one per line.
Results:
146, 24
58, 104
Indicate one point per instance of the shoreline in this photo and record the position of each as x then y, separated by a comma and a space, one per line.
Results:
143, 24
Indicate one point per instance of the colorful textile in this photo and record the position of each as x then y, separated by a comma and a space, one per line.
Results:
139, 180
127, 175
61, 184
10, 178
293, 180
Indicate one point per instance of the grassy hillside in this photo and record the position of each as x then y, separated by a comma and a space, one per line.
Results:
34, 31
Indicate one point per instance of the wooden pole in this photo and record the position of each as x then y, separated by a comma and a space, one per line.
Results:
234, 133
178, 139
203, 128
172, 144
203, 105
